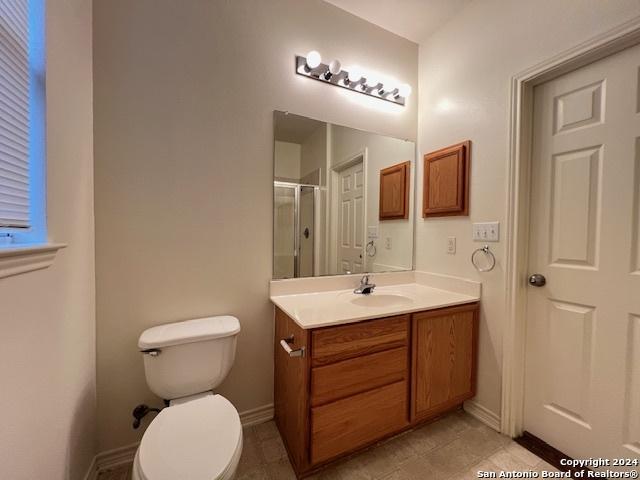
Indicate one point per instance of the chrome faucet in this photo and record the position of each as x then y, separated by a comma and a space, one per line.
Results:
365, 287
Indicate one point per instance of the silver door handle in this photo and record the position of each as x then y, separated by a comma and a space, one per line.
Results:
537, 280
284, 343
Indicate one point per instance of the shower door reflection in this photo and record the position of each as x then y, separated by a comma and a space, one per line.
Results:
294, 242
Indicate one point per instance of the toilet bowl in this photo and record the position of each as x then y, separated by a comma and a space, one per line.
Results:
199, 435
195, 438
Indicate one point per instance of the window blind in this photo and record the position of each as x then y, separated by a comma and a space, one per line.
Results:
14, 114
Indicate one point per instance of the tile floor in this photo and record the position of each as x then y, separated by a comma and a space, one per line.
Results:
452, 448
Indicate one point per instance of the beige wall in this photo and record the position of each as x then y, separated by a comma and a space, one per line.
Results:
313, 163
184, 100
287, 161
47, 319
465, 69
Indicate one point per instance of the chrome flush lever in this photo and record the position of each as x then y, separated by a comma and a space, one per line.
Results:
152, 352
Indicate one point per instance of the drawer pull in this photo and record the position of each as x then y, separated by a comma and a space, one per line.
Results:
284, 343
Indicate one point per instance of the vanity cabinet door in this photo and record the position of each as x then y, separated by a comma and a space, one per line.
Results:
291, 385
444, 348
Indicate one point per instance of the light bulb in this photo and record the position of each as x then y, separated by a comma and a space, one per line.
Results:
334, 67
404, 90
313, 59
355, 75
372, 81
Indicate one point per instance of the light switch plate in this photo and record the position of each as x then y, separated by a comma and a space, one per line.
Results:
451, 245
486, 232
372, 232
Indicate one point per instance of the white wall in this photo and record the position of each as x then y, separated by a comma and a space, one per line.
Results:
47, 319
184, 100
287, 161
314, 157
382, 152
465, 69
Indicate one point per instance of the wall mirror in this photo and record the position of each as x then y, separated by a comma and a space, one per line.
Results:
343, 199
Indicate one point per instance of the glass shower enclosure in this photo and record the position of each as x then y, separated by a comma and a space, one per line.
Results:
294, 242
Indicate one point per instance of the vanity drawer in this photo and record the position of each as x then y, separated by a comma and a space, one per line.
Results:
344, 426
356, 375
333, 344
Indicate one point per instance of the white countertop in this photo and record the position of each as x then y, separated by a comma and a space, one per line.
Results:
336, 307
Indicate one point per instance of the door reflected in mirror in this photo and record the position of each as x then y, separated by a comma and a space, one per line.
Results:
334, 187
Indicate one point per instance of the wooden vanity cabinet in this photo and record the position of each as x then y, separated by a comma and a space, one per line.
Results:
290, 390
361, 382
443, 360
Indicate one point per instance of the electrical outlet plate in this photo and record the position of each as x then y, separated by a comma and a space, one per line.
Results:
486, 232
451, 245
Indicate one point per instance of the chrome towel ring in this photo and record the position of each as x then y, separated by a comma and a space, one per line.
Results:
484, 249
371, 249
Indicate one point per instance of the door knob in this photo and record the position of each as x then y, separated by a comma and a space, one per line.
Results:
537, 280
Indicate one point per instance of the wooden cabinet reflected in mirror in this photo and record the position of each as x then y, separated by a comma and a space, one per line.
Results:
446, 181
394, 191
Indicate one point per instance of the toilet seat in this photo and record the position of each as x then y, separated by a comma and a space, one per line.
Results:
196, 438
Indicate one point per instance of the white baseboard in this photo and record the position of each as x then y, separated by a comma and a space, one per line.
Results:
257, 416
124, 455
116, 457
92, 471
483, 414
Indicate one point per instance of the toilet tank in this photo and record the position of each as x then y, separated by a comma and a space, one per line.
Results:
189, 357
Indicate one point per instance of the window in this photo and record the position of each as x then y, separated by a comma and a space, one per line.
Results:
22, 123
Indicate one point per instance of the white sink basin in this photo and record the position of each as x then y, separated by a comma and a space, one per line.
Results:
381, 300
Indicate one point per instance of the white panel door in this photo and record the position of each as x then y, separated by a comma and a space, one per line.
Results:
351, 219
582, 384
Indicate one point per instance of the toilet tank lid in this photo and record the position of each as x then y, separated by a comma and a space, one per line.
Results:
189, 331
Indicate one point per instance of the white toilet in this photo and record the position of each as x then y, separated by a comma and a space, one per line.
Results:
199, 435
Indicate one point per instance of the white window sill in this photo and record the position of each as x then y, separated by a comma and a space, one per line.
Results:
17, 259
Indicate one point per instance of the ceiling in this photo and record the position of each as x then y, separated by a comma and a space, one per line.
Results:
411, 19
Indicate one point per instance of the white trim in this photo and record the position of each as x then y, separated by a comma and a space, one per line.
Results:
15, 260
118, 457
483, 414
92, 471
518, 174
256, 416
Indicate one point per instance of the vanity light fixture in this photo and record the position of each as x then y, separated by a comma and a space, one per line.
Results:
311, 66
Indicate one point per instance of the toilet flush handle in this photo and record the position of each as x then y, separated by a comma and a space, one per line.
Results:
153, 352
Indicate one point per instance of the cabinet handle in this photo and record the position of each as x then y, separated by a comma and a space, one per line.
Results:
284, 343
